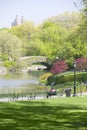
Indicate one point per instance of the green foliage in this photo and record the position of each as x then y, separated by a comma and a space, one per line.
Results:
18, 66
52, 37
63, 36
67, 20
67, 77
10, 46
24, 32
44, 77
9, 64
51, 79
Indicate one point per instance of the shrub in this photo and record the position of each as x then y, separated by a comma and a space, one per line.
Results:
50, 80
9, 64
63, 78
59, 67
44, 77
81, 64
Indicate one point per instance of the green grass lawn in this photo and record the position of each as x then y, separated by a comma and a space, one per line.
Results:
47, 114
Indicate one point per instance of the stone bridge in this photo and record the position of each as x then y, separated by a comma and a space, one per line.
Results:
33, 59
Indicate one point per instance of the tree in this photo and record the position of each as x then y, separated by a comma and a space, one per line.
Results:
78, 37
24, 32
59, 67
67, 20
81, 64
10, 46
53, 38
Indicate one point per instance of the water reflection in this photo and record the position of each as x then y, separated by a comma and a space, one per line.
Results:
16, 83
20, 82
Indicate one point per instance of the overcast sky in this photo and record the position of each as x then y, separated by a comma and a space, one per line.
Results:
33, 10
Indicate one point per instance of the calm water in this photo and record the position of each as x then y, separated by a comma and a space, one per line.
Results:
20, 82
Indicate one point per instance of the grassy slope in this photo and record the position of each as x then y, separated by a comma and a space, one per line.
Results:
47, 114
66, 80
80, 76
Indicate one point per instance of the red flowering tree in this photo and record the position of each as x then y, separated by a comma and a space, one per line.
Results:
59, 67
81, 64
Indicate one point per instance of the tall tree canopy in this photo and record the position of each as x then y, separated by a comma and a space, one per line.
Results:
62, 36
10, 46
66, 20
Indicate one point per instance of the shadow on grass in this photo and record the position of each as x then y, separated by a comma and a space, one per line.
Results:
42, 116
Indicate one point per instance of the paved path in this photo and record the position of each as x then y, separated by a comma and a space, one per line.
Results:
37, 97
20, 99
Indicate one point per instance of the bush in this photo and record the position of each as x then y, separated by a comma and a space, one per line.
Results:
44, 77
51, 79
81, 64
9, 64
59, 67
62, 78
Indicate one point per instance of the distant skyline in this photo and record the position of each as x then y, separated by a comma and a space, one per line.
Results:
33, 10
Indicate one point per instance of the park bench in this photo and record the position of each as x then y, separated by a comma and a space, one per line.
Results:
49, 94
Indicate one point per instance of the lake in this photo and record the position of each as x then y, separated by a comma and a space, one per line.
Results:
21, 82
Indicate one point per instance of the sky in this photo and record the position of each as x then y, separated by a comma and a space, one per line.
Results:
33, 10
